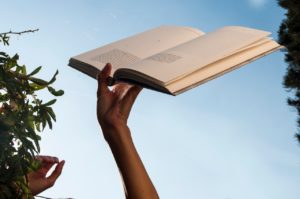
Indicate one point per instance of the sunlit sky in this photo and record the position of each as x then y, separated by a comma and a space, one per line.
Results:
230, 138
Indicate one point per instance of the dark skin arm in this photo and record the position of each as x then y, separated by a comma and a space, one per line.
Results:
113, 108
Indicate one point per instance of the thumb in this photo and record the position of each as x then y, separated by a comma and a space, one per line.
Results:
56, 173
102, 80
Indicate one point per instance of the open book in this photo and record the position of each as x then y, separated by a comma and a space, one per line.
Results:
174, 59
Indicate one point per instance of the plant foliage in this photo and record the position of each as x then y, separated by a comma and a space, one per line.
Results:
22, 117
289, 36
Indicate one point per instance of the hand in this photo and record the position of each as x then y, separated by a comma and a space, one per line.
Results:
113, 106
37, 180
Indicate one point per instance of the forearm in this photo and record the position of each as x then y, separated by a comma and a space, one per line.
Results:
136, 180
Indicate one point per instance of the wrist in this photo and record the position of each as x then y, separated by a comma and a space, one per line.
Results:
116, 133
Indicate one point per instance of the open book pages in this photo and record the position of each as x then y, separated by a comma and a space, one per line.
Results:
221, 67
123, 53
173, 59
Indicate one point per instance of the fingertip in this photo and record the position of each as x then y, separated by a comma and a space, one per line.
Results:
109, 65
61, 165
104, 73
107, 68
137, 88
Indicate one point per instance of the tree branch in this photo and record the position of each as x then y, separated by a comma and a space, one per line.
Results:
19, 33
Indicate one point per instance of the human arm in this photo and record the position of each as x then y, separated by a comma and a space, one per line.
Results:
113, 108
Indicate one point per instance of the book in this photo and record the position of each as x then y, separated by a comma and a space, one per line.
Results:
174, 59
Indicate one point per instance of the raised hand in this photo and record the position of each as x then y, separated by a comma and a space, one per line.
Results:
113, 106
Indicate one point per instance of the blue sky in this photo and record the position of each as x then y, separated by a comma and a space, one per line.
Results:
230, 138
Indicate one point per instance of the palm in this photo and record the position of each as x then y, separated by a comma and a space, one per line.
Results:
111, 103
38, 180
113, 106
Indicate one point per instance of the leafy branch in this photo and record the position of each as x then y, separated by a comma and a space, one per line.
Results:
22, 117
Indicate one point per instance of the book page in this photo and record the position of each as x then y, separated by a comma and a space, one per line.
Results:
177, 62
225, 65
137, 47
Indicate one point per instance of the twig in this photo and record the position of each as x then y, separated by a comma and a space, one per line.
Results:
19, 33
51, 198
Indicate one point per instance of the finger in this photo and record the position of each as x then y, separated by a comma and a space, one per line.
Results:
47, 167
130, 98
44, 169
56, 173
46, 163
121, 89
47, 159
102, 80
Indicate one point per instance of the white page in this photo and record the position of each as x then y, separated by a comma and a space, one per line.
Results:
258, 43
218, 68
137, 47
197, 53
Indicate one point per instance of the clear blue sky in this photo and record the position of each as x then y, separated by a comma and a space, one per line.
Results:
231, 138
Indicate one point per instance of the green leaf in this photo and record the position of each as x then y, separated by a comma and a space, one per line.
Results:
30, 120
36, 86
38, 81
4, 97
36, 140
35, 71
19, 68
44, 123
48, 118
51, 113
54, 92
24, 70
38, 126
53, 78
12, 62
3, 54
50, 103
